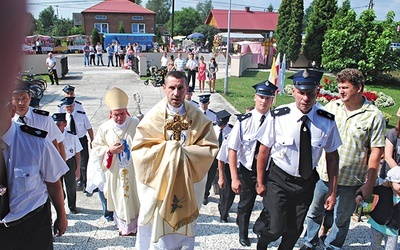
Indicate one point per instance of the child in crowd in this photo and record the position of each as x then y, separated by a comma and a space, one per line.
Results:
385, 214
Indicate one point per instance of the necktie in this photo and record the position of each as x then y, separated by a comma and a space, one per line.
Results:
72, 127
220, 137
305, 157
205, 112
258, 142
4, 198
254, 165
21, 119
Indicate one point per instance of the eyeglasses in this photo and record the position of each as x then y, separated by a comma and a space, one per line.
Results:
18, 100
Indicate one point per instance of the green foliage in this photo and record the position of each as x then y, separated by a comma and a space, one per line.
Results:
361, 43
204, 7
307, 13
288, 32
78, 30
270, 8
95, 36
161, 8
294, 36
185, 21
208, 31
62, 27
282, 30
319, 22
46, 21
121, 28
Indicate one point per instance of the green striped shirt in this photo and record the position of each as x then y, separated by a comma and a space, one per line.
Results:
362, 129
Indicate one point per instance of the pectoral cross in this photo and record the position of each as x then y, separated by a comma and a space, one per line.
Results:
177, 125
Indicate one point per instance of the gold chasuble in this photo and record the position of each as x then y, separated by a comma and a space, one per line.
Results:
172, 153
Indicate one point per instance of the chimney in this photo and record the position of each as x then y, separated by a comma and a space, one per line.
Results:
247, 9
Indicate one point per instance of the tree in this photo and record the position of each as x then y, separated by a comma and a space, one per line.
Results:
185, 21
161, 8
31, 24
138, 2
362, 43
95, 36
46, 21
208, 31
121, 28
270, 8
204, 7
307, 14
320, 21
61, 27
77, 30
288, 32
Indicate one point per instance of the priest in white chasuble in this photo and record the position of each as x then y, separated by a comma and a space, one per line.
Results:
111, 147
173, 149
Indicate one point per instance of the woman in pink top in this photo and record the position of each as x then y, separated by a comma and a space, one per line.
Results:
201, 75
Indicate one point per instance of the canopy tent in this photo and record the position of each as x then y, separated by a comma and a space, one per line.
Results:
241, 36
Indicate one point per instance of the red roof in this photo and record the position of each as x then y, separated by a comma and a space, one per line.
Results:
118, 6
244, 19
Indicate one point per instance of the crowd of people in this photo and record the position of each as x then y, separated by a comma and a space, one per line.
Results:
117, 55
196, 68
154, 174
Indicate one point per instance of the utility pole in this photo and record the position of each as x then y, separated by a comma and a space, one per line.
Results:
227, 50
371, 4
57, 11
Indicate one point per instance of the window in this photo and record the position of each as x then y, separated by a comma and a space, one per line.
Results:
138, 28
101, 27
137, 18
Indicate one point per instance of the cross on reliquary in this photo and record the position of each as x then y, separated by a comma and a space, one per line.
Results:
177, 125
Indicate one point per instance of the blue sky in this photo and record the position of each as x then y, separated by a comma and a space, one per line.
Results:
65, 8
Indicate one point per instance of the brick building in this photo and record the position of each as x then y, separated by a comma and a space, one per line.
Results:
107, 15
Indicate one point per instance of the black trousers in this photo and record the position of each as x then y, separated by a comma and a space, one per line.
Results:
192, 76
226, 195
84, 159
92, 59
33, 233
248, 195
70, 183
117, 63
211, 177
287, 201
53, 76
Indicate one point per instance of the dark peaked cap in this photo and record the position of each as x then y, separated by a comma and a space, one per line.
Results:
306, 79
67, 101
222, 117
265, 88
204, 98
22, 86
59, 117
68, 88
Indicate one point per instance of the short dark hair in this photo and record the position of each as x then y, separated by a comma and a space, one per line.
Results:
354, 76
177, 75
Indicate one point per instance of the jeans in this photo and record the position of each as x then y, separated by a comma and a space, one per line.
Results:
85, 59
107, 214
100, 59
344, 208
110, 59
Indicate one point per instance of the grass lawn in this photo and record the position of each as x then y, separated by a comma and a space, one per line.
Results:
241, 94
